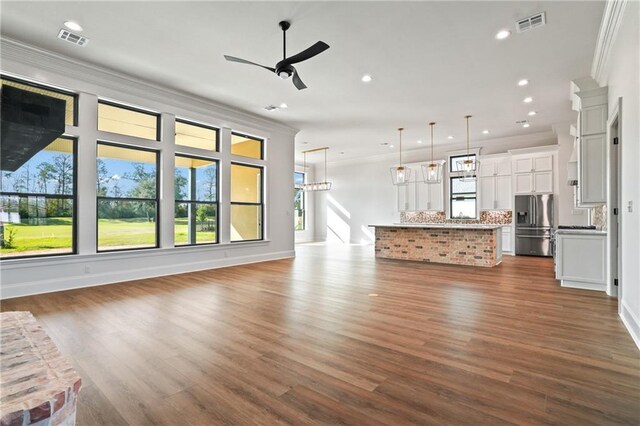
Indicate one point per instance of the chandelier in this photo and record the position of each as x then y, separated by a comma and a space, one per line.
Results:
315, 186
400, 175
468, 167
432, 172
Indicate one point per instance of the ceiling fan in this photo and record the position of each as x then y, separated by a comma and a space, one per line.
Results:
284, 69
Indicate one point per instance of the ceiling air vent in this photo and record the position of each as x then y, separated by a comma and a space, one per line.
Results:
531, 22
73, 38
271, 108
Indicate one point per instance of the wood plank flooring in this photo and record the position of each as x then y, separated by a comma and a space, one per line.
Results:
303, 341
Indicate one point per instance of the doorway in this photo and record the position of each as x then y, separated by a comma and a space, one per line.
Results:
614, 211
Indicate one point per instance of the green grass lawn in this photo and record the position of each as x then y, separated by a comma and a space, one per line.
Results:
54, 235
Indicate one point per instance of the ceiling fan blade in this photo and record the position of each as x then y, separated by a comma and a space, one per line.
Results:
314, 50
297, 82
243, 61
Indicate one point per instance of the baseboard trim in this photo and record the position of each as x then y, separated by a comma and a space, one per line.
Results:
70, 283
631, 323
582, 285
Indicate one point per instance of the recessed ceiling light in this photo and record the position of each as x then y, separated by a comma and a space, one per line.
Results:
366, 78
525, 125
390, 146
449, 137
485, 132
532, 113
73, 26
527, 100
523, 82
501, 35
419, 141
283, 105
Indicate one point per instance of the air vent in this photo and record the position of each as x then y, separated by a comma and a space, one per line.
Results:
271, 108
73, 38
531, 22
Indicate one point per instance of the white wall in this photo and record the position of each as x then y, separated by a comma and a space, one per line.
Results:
621, 75
28, 276
363, 194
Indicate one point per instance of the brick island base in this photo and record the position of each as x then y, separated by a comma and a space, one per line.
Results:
473, 246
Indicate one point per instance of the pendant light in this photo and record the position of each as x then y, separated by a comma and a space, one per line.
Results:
316, 186
468, 167
432, 172
400, 175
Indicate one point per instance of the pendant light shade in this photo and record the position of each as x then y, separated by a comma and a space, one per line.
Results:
468, 166
400, 175
316, 186
432, 171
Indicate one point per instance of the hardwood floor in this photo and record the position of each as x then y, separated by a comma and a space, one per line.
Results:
305, 341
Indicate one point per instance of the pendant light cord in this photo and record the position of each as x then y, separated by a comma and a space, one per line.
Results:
400, 131
467, 117
431, 125
325, 165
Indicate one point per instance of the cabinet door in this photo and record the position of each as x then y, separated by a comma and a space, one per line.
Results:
403, 198
422, 196
487, 193
506, 239
522, 165
523, 183
593, 120
487, 167
593, 168
543, 182
543, 163
503, 166
436, 196
503, 194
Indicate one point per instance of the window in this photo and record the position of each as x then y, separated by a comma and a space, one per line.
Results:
127, 181
196, 188
37, 203
196, 135
298, 201
246, 146
128, 121
463, 198
71, 99
246, 202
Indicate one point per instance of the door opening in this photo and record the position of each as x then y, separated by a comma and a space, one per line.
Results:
614, 210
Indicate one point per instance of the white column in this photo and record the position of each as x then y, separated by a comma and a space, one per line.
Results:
167, 180
224, 215
87, 132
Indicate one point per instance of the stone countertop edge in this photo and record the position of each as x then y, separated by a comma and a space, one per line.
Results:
581, 231
438, 226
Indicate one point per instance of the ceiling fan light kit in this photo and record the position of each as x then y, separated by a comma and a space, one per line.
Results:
285, 69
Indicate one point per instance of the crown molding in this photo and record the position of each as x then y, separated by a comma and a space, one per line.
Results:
611, 19
44, 60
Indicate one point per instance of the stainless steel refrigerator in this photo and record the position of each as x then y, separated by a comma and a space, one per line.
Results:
534, 224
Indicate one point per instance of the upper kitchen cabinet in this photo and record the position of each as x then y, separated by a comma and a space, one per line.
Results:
533, 173
495, 166
495, 183
592, 147
418, 195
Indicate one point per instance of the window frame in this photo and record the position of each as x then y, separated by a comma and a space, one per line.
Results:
244, 203
452, 159
255, 138
204, 126
451, 199
134, 109
303, 202
216, 203
74, 210
156, 200
51, 89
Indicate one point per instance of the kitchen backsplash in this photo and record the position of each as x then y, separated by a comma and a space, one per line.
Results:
599, 217
493, 217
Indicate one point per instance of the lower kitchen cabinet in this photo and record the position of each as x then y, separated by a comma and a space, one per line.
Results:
507, 244
581, 259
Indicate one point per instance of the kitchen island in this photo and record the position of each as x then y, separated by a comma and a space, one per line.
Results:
463, 244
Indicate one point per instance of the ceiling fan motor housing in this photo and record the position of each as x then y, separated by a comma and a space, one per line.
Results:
284, 71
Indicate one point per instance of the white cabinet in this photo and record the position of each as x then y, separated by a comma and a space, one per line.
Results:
593, 120
533, 174
507, 245
495, 166
495, 193
418, 195
581, 259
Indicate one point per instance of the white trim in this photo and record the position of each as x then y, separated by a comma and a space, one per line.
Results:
79, 281
534, 149
631, 323
611, 19
582, 285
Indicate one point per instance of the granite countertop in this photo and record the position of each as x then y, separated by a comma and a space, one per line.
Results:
581, 231
438, 225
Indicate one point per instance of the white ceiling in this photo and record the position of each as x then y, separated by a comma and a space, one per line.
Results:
430, 61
